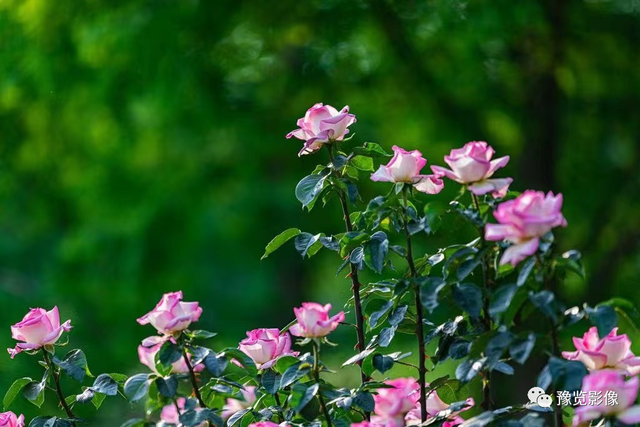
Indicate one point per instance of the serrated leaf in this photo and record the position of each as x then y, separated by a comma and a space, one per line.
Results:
309, 187
74, 364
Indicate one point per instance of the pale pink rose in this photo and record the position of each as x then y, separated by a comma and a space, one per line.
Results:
151, 346
266, 424
405, 166
38, 328
266, 346
434, 406
170, 414
172, 315
612, 351
314, 321
235, 405
320, 125
523, 220
393, 404
472, 165
609, 382
9, 419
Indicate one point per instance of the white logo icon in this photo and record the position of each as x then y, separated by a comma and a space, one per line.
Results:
537, 396
534, 393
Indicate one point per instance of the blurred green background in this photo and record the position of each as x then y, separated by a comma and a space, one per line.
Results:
143, 146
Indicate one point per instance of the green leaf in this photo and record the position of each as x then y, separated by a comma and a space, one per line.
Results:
604, 317
215, 364
371, 149
285, 363
270, 381
376, 251
521, 348
247, 363
545, 301
309, 187
168, 354
233, 419
74, 364
301, 395
105, 384
501, 299
386, 336
382, 363
351, 240
525, 271
202, 335
429, 292
167, 386
292, 374
13, 391
304, 242
98, 399
363, 163
358, 357
469, 298
136, 387
280, 240
381, 308
365, 401
33, 392
572, 260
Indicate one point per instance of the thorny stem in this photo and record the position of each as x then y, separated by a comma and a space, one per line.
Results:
316, 374
486, 382
355, 283
194, 381
56, 380
422, 369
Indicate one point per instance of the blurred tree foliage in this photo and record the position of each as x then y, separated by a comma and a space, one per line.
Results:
143, 142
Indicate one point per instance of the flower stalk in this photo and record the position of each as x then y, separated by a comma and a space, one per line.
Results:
316, 375
58, 388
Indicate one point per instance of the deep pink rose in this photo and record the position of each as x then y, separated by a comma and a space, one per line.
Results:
320, 125
266, 346
9, 419
523, 220
172, 315
609, 383
151, 346
38, 328
472, 165
314, 321
612, 351
405, 166
236, 405
170, 413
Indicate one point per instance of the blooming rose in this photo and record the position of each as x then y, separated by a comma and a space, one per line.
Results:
314, 321
264, 424
172, 315
320, 125
147, 354
609, 383
523, 221
435, 405
170, 415
37, 329
9, 419
405, 166
236, 405
472, 165
392, 404
612, 351
266, 346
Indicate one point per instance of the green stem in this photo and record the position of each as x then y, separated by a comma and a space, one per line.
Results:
422, 356
56, 380
355, 282
316, 375
486, 318
194, 381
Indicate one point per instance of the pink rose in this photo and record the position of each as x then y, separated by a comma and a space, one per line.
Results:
170, 414
151, 346
434, 406
172, 315
523, 220
266, 346
472, 165
314, 321
265, 424
612, 351
392, 404
37, 329
405, 166
9, 419
609, 383
236, 405
320, 125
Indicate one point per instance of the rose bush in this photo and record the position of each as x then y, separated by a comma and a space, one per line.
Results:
486, 304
